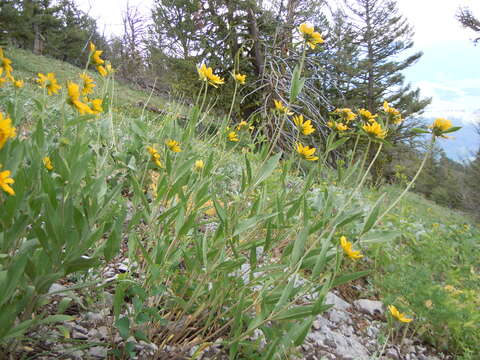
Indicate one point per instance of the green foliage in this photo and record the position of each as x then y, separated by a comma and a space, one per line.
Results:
244, 247
433, 272
55, 28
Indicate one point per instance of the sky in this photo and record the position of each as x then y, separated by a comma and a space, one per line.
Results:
449, 70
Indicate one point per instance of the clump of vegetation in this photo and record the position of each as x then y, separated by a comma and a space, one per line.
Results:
228, 236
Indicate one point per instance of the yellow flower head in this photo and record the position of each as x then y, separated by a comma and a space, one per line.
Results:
347, 249
282, 108
240, 78
102, 71
306, 152
18, 84
155, 156
47, 163
49, 82
92, 47
341, 127
97, 106
199, 165
73, 91
398, 315
366, 115
109, 68
96, 57
74, 99
346, 114
173, 145
393, 114
311, 37
232, 136
88, 84
244, 125
6, 64
440, 125
5, 181
7, 131
375, 129
305, 127
206, 74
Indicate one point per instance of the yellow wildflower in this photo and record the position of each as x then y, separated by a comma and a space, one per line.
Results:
307, 152
240, 78
375, 129
199, 165
282, 108
304, 126
6, 65
440, 125
109, 68
7, 131
398, 315
244, 125
3, 80
451, 289
346, 114
96, 57
18, 84
74, 99
102, 71
88, 84
5, 181
347, 248
366, 115
341, 127
232, 136
97, 106
393, 113
155, 156
173, 145
49, 82
428, 304
92, 47
47, 163
206, 74
331, 124
311, 37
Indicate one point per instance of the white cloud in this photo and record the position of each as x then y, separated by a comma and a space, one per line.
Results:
108, 13
434, 20
453, 99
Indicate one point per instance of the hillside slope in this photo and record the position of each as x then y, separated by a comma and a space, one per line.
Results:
130, 234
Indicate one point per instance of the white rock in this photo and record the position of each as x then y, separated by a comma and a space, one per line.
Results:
369, 307
337, 302
98, 352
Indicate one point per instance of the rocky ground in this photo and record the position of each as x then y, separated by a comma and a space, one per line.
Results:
353, 330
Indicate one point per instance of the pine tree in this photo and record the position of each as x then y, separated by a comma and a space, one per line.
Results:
383, 35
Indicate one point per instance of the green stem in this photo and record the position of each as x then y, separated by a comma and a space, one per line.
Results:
233, 101
354, 149
432, 142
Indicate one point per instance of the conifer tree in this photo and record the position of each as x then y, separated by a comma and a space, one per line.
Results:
383, 35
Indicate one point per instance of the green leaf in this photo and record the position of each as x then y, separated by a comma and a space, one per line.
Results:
301, 312
373, 215
349, 277
452, 129
250, 223
299, 246
297, 84
380, 236
123, 326
267, 169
